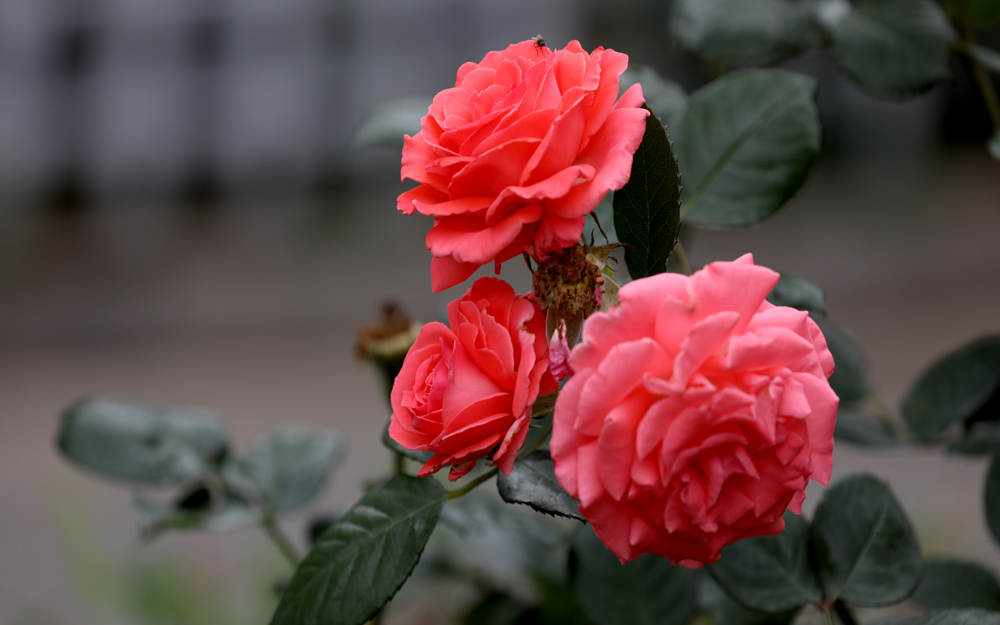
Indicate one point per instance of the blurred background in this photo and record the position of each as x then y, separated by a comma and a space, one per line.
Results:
183, 221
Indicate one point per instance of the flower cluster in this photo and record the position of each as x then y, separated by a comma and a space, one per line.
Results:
694, 412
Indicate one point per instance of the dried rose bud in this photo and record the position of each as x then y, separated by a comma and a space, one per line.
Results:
572, 284
384, 342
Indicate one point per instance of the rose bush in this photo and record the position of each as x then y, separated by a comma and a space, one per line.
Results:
467, 390
696, 415
518, 152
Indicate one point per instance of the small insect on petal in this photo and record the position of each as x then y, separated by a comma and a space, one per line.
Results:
539, 42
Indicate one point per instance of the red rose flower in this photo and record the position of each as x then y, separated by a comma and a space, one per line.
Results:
696, 415
466, 391
518, 152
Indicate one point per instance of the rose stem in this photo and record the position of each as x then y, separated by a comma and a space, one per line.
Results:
538, 441
458, 492
280, 541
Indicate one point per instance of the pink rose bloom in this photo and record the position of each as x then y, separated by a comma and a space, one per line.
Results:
466, 391
518, 152
696, 415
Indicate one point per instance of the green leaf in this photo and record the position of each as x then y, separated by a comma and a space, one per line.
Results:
745, 145
386, 124
745, 31
290, 466
646, 591
417, 456
850, 373
724, 611
866, 551
992, 498
798, 293
894, 46
141, 443
770, 574
647, 208
979, 441
953, 584
948, 617
855, 426
665, 98
363, 559
232, 512
954, 388
532, 482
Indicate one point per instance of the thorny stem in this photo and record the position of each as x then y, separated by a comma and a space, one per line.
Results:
682, 258
982, 79
280, 541
538, 441
458, 492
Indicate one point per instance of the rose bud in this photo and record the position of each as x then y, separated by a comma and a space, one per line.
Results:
466, 389
515, 155
696, 414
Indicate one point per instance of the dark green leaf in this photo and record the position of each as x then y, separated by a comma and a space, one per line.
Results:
798, 293
770, 573
230, 512
745, 145
948, 617
646, 591
992, 498
290, 466
386, 124
954, 388
866, 551
745, 31
318, 525
894, 46
665, 98
363, 559
850, 373
724, 611
418, 456
647, 208
533, 482
141, 443
858, 429
953, 584
855, 426
979, 441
